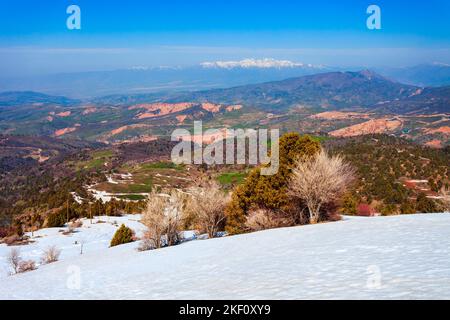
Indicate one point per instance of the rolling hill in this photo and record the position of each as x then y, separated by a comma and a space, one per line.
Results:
14, 98
432, 74
335, 90
425, 101
288, 104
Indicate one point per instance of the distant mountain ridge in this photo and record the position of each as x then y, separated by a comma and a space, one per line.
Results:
141, 79
425, 101
334, 90
12, 98
205, 76
424, 75
364, 89
259, 63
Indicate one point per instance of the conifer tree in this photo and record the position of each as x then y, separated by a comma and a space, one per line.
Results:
269, 192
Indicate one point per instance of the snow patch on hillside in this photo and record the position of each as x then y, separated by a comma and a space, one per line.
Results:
400, 257
93, 237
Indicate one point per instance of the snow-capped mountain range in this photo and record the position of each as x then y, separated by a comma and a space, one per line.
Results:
147, 79
206, 75
265, 63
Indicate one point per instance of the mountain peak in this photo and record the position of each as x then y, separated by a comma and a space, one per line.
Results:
371, 75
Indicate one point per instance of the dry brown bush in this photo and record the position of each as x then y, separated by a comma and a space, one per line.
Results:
320, 180
17, 264
50, 255
206, 207
25, 266
76, 224
146, 244
12, 239
174, 214
162, 217
153, 218
263, 219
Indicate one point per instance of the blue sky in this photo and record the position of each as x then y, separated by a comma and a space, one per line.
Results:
121, 34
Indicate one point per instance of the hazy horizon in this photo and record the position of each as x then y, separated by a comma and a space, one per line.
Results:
116, 36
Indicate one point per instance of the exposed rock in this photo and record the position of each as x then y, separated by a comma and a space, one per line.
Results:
369, 127
64, 131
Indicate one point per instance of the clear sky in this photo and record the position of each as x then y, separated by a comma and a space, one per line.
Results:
118, 34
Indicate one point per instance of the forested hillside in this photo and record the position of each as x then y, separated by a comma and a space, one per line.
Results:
392, 171
393, 176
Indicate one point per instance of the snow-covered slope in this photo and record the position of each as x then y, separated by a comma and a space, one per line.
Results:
386, 257
90, 238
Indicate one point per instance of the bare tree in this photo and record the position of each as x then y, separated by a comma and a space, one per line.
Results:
207, 204
17, 264
320, 180
50, 255
153, 218
162, 217
14, 259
